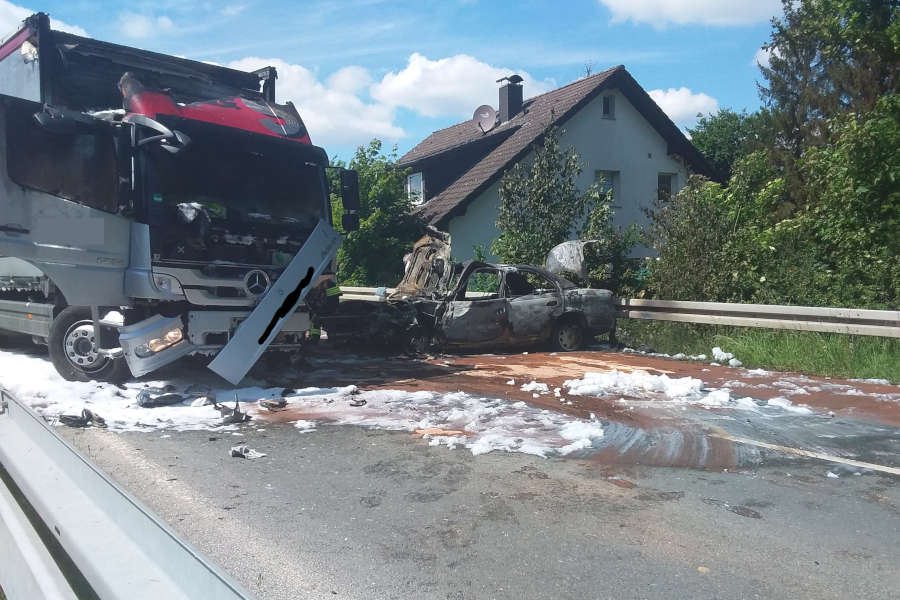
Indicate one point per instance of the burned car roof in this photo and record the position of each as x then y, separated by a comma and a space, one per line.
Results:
562, 281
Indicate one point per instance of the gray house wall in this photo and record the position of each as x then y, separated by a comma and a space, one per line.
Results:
626, 143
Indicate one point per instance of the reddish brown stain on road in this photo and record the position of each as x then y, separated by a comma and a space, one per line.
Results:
647, 432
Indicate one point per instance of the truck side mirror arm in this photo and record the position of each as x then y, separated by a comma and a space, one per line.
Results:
350, 199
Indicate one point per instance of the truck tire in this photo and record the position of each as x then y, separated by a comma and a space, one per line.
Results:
568, 335
74, 353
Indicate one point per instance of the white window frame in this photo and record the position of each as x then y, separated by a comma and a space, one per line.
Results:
612, 183
612, 106
416, 196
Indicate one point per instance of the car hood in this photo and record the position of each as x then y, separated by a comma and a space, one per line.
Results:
428, 267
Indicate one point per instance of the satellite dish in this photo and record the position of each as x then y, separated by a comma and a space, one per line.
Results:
485, 117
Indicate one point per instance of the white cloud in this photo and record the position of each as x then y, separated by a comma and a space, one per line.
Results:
12, 15
332, 111
682, 105
660, 13
455, 85
763, 56
233, 10
139, 26
350, 79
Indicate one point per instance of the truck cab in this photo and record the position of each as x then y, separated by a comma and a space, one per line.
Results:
160, 199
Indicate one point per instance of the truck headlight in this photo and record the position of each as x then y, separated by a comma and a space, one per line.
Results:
171, 338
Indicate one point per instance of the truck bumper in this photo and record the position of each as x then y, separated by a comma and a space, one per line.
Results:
207, 332
136, 341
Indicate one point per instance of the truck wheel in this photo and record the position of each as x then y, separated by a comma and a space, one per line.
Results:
74, 352
568, 336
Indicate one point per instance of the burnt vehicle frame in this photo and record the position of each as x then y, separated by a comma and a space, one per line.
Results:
476, 306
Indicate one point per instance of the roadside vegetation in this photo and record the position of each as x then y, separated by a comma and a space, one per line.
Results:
388, 229
809, 212
812, 353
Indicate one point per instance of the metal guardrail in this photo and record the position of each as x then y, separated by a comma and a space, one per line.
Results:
854, 321
883, 323
117, 547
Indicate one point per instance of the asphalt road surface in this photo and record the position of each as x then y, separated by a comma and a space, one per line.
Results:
345, 511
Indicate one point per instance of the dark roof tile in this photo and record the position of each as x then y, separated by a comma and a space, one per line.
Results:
538, 114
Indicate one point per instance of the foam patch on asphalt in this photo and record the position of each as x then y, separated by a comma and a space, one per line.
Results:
639, 384
643, 387
486, 424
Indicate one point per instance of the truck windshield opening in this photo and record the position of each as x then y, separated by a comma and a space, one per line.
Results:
208, 203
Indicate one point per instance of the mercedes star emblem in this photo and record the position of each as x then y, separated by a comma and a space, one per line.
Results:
256, 282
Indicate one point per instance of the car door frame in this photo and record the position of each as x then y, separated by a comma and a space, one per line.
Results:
532, 317
460, 314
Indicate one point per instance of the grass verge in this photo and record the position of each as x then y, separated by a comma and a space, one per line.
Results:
813, 353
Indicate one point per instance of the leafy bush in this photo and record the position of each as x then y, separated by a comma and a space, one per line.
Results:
540, 205
750, 243
374, 254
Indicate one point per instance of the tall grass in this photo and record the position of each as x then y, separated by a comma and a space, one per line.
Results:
829, 354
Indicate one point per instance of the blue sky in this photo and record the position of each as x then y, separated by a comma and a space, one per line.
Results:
399, 70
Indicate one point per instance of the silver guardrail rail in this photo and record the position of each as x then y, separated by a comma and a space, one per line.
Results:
68, 531
884, 323
854, 321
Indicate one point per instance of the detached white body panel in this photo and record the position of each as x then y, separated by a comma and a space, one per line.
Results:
258, 330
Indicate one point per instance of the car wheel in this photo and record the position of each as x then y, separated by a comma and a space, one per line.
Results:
74, 352
568, 336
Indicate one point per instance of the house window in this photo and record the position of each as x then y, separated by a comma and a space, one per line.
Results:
609, 107
665, 182
415, 188
608, 183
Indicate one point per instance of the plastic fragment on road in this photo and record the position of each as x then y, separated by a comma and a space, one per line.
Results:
244, 451
146, 398
273, 403
232, 415
85, 419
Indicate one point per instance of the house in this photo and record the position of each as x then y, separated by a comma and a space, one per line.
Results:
625, 141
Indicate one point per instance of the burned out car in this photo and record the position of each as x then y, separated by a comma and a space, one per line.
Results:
478, 306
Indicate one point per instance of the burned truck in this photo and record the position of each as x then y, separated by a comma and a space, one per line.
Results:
154, 207
475, 306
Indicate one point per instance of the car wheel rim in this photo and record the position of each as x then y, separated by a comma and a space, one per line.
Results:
568, 337
81, 348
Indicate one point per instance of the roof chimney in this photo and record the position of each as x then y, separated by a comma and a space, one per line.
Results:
510, 97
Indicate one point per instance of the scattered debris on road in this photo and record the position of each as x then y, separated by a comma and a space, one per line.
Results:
231, 416
148, 398
85, 419
273, 403
244, 451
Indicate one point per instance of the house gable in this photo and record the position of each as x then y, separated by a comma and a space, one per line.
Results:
553, 108
626, 147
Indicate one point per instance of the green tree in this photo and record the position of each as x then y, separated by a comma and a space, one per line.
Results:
856, 217
374, 254
540, 205
827, 57
727, 135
